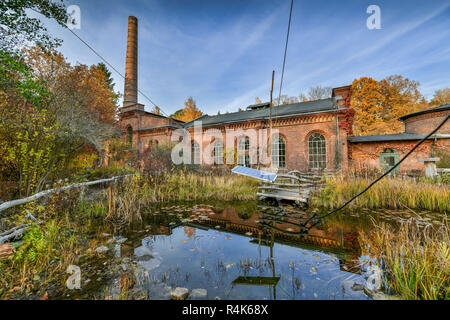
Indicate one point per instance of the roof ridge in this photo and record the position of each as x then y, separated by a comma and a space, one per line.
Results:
425, 111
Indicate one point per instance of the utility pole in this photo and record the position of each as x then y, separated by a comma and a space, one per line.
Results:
270, 120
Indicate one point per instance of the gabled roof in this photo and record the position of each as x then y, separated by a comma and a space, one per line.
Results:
301, 108
444, 107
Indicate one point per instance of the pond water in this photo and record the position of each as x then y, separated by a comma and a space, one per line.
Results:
236, 251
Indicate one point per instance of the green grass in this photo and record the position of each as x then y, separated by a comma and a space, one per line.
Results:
389, 193
48, 248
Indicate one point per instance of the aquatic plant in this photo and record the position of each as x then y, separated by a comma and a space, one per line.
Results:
124, 205
416, 260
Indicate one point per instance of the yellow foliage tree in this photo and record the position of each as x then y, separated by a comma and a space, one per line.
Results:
367, 101
379, 104
190, 111
441, 97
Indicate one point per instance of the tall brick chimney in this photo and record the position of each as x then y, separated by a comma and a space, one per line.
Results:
131, 66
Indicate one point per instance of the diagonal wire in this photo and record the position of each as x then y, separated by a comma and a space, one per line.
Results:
285, 52
383, 175
112, 67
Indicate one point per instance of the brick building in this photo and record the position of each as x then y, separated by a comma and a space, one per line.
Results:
381, 151
308, 135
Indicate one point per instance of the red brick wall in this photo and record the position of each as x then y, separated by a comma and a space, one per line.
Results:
153, 121
296, 132
162, 137
139, 120
367, 155
296, 136
425, 123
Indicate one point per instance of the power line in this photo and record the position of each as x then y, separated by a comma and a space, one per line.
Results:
112, 67
109, 64
382, 176
285, 51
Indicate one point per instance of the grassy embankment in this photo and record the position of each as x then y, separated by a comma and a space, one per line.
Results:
70, 224
389, 193
415, 260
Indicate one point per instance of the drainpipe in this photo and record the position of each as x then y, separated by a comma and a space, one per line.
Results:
432, 147
139, 143
338, 141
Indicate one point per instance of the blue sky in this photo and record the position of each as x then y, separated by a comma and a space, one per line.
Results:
222, 53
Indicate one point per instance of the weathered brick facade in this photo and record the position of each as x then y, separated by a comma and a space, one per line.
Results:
328, 120
424, 123
366, 154
148, 129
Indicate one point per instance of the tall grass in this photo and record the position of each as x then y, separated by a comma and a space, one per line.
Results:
184, 186
389, 193
416, 260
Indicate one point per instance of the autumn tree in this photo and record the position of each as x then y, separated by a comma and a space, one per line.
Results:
90, 86
440, 97
379, 104
367, 101
402, 97
190, 111
51, 112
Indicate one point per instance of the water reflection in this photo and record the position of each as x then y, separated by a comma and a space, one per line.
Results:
245, 252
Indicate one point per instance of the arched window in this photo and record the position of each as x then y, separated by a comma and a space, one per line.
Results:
130, 135
243, 156
317, 148
278, 151
195, 153
388, 158
218, 152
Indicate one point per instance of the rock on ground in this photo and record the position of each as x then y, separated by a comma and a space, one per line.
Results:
102, 249
199, 293
179, 293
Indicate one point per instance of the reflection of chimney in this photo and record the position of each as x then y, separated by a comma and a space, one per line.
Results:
131, 65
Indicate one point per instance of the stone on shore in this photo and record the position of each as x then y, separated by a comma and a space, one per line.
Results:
199, 293
179, 293
102, 249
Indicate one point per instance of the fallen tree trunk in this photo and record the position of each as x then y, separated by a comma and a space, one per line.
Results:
10, 204
18, 232
14, 234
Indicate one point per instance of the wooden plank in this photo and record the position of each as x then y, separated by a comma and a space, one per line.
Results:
281, 197
297, 190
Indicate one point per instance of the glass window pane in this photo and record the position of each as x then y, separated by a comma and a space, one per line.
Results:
317, 151
278, 152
